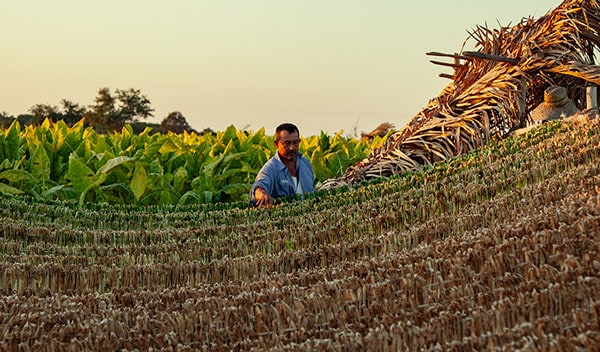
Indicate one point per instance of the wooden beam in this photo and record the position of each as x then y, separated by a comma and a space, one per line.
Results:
456, 56
455, 66
512, 61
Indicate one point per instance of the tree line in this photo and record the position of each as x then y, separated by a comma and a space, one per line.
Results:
109, 112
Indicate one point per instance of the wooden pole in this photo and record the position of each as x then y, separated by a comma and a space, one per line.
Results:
591, 98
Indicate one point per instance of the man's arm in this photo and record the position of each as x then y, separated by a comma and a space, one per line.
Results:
260, 193
262, 198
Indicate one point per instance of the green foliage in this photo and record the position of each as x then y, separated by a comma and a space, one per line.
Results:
58, 162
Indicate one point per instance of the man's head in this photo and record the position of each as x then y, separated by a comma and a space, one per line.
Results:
287, 140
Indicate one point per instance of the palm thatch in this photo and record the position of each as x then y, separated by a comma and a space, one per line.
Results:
493, 89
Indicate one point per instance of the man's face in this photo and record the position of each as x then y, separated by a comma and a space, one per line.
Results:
287, 145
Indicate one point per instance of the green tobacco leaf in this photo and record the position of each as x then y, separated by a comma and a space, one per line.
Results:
324, 142
165, 198
190, 197
126, 136
80, 174
113, 163
168, 147
207, 197
319, 167
229, 134
234, 156
15, 175
39, 163
180, 177
8, 190
237, 188
139, 181
57, 191
73, 138
7, 164
336, 162
155, 167
13, 141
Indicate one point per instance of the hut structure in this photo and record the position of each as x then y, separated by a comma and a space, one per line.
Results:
493, 89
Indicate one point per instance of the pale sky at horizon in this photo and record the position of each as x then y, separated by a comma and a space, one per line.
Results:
325, 65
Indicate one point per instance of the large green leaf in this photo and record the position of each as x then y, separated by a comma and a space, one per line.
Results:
2, 145
168, 146
190, 197
229, 134
337, 162
180, 178
39, 163
237, 188
8, 190
59, 192
13, 141
165, 198
139, 181
324, 141
74, 136
320, 169
15, 175
80, 174
114, 163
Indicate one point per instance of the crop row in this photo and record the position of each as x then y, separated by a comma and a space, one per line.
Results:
396, 206
108, 267
493, 250
493, 286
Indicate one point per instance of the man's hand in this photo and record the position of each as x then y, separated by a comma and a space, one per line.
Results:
263, 199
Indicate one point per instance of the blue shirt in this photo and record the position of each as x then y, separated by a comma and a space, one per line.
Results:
275, 178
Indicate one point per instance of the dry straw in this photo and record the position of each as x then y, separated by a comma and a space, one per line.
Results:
493, 89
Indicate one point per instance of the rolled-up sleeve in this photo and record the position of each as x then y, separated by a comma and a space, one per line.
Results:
264, 179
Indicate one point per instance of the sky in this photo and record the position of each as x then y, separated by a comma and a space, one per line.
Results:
324, 65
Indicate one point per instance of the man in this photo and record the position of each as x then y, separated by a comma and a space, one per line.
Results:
287, 173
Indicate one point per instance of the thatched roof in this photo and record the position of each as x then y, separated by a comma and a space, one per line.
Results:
493, 88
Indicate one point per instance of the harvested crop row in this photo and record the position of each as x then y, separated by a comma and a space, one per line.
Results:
485, 262
469, 290
184, 263
204, 244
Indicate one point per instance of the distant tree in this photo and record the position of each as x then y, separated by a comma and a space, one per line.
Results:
25, 119
5, 119
132, 105
112, 112
72, 112
41, 112
103, 111
175, 122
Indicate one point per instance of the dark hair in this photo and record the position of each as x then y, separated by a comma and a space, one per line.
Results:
289, 127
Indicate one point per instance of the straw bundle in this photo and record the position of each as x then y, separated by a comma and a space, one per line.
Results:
493, 89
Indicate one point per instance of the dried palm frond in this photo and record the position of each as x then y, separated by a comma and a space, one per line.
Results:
493, 89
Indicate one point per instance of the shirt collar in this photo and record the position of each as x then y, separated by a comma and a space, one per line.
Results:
281, 164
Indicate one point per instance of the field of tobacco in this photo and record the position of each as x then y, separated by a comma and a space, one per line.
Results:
493, 250
54, 161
